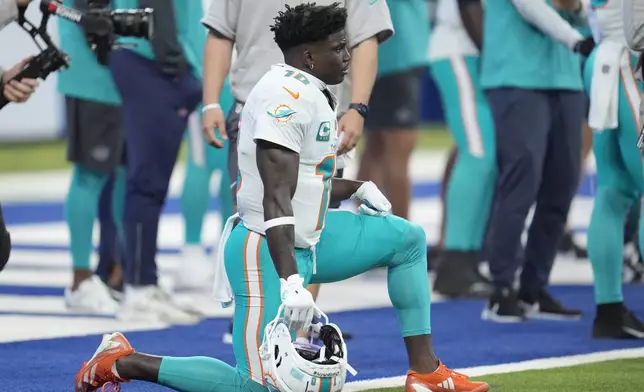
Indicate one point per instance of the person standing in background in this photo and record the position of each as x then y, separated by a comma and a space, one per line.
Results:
244, 25
393, 124
620, 177
530, 74
454, 51
96, 148
633, 17
202, 162
568, 245
159, 82
13, 90
110, 247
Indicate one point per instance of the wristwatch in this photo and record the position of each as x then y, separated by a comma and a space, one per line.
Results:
361, 108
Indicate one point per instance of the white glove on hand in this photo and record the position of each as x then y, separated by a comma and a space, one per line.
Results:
298, 303
373, 201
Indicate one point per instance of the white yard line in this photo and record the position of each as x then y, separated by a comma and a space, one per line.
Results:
535, 364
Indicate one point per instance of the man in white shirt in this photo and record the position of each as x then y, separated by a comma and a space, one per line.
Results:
14, 90
454, 54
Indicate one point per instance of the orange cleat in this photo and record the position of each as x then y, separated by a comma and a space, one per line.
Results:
100, 370
442, 380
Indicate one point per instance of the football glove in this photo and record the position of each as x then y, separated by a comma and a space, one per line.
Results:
373, 201
297, 303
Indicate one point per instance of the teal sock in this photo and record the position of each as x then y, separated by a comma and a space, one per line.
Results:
203, 374
194, 200
118, 201
468, 202
81, 210
605, 243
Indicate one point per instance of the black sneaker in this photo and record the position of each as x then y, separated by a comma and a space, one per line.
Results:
228, 335
458, 276
546, 307
615, 321
503, 307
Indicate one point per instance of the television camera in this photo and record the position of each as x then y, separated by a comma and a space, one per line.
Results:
101, 25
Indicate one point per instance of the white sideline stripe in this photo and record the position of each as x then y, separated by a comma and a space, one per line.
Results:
535, 364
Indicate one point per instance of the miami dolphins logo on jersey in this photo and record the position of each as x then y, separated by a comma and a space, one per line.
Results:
282, 113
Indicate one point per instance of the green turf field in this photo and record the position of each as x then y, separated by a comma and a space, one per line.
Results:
28, 157
625, 375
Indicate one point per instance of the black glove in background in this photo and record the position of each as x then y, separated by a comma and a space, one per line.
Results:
585, 46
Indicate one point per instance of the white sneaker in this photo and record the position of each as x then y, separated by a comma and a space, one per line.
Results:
196, 270
151, 303
92, 296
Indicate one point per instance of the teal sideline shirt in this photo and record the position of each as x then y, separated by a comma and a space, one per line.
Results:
407, 49
86, 78
518, 55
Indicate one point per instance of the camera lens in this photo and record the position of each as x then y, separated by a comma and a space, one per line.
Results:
133, 22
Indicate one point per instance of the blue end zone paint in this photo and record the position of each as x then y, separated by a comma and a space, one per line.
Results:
461, 339
17, 213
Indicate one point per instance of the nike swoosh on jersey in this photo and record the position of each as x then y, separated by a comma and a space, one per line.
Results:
294, 95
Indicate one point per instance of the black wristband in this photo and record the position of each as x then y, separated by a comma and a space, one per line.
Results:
361, 108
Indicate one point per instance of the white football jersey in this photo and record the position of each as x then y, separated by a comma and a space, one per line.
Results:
288, 107
449, 37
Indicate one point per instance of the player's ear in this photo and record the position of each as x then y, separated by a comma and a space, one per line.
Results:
308, 59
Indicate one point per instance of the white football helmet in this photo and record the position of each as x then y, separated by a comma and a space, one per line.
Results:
297, 366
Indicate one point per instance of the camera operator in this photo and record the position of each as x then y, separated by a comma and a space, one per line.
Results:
17, 90
14, 91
